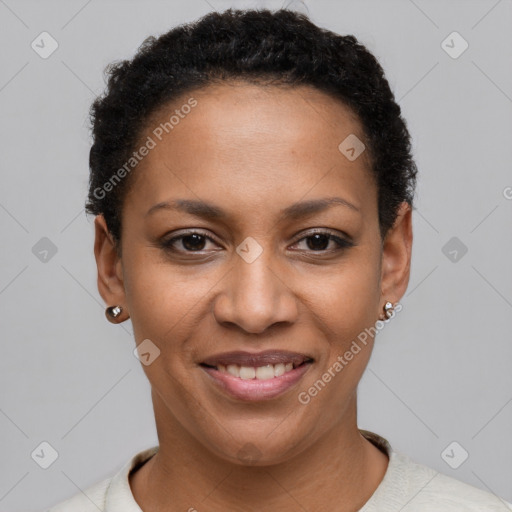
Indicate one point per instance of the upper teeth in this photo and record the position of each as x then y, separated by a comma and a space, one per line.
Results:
266, 372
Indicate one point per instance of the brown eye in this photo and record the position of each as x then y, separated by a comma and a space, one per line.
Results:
191, 241
194, 241
319, 242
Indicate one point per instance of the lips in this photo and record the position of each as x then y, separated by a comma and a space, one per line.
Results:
256, 376
255, 360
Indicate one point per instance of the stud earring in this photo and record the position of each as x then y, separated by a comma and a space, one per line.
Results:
112, 313
388, 310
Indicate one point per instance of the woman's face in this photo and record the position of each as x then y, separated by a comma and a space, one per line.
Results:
258, 173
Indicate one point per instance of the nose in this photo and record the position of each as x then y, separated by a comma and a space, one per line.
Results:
255, 296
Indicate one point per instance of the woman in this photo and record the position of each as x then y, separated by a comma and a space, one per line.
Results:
253, 183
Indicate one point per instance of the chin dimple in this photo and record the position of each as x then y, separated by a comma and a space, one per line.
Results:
266, 372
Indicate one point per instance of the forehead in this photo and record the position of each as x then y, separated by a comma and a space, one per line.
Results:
238, 113
251, 142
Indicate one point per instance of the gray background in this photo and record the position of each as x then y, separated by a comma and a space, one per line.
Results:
440, 371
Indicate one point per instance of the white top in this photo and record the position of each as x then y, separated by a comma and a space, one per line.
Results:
405, 483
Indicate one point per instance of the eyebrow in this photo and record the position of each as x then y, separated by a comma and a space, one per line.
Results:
210, 211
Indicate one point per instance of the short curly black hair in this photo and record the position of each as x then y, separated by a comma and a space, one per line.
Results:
279, 47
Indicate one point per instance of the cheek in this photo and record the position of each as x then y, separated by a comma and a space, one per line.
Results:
167, 303
161, 304
349, 305
348, 297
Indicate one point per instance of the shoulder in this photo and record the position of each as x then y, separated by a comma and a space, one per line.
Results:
427, 487
409, 485
112, 493
91, 499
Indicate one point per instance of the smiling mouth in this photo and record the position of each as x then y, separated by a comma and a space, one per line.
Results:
263, 372
256, 376
266, 365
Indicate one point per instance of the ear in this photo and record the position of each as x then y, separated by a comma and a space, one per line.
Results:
396, 256
110, 270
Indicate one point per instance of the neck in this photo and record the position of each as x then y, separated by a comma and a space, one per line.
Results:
342, 468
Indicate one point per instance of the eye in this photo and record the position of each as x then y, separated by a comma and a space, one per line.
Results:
316, 241
319, 241
191, 241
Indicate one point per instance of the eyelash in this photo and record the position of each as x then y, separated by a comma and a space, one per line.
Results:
342, 243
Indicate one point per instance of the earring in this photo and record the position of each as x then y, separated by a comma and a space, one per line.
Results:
112, 312
388, 310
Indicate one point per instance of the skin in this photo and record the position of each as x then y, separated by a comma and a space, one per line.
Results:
253, 151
